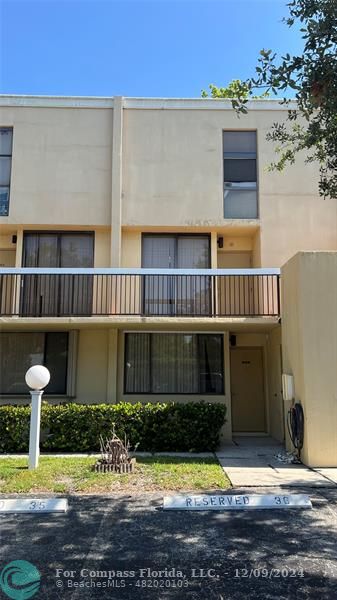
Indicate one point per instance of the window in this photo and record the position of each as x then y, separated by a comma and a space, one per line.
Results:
173, 363
169, 295
20, 351
60, 249
240, 175
57, 295
6, 137
176, 251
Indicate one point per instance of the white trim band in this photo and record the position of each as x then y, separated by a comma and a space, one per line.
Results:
139, 103
121, 271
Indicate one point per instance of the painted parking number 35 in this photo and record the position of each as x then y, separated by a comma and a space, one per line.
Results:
37, 505
40, 505
281, 500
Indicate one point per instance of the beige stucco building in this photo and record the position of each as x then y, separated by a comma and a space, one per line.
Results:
170, 207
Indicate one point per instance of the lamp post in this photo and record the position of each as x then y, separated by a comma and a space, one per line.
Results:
37, 378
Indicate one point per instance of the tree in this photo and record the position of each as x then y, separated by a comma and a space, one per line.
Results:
312, 77
236, 90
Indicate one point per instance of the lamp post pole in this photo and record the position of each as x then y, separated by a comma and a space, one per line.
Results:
37, 378
34, 433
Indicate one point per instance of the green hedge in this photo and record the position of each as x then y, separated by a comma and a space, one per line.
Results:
157, 427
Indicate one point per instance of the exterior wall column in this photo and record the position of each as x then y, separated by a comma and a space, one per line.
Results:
111, 393
226, 431
116, 183
214, 250
19, 248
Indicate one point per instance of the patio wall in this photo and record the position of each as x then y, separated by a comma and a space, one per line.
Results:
309, 340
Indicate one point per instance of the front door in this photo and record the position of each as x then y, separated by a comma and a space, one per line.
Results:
247, 390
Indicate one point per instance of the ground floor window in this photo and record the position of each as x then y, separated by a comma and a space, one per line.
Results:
19, 351
173, 363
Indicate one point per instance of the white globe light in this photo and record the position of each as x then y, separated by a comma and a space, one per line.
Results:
37, 377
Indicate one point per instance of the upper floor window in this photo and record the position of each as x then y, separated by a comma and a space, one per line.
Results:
6, 138
240, 175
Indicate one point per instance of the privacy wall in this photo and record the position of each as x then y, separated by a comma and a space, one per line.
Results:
309, 340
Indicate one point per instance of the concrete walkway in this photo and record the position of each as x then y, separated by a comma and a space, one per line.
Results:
252, 462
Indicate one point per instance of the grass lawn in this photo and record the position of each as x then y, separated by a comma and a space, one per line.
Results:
71, 475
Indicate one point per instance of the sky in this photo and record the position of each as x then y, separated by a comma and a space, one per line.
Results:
156, 48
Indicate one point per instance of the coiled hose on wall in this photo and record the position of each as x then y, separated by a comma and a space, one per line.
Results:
295, 422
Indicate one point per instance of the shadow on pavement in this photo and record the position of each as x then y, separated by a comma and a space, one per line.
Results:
282, 554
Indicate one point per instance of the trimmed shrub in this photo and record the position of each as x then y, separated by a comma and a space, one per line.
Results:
191, 427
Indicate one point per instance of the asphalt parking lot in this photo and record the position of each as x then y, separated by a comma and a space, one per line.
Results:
115, 547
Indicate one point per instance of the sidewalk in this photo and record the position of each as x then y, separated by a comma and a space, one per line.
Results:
98, 454
252, 462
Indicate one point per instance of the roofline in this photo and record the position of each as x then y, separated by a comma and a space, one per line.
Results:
137, 103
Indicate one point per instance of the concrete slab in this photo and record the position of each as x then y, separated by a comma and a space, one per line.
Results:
257, 465
256, 441
249, 453
248, 447
329, 473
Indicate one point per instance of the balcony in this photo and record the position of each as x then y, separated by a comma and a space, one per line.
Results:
198, 293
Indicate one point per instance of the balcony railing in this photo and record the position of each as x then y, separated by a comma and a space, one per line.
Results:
43, 292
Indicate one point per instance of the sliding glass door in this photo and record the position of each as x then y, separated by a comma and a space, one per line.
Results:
54, 295
172, 294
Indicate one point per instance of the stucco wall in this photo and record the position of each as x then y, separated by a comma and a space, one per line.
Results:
92, 366
102, 248
256, 252
172, 163
296, 220
169, 168
61, 165
274, 370
131, 249
172, 175
6, 242
309, 342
